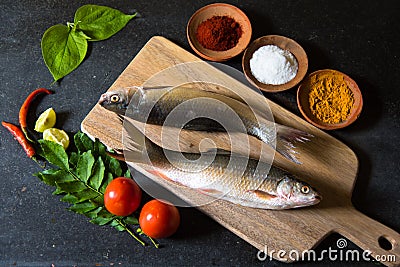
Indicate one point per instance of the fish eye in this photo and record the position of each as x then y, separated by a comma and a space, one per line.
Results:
305, 189
114, 98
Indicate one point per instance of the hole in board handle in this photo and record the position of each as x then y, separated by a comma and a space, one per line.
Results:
385, 242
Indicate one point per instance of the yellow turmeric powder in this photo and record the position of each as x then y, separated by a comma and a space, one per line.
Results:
330, 97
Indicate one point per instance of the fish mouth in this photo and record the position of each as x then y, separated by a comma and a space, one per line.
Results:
103, 100
312, 201
318, 197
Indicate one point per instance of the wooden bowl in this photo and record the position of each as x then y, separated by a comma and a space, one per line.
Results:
304, 106
218, 9
285, 44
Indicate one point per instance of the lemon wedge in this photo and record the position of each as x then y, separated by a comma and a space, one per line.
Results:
56, 135
46, 120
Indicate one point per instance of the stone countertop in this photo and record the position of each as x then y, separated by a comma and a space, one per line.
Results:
359, 38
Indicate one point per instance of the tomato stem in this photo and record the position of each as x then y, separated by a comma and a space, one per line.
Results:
140, 232
130, 232
154, 242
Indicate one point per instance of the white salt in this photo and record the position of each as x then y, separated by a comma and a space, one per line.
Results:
273, 65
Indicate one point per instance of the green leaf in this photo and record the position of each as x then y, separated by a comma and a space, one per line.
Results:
54, 153
109, 178
99, 149
50, 176
84, 166
63, 49
97, 174
105, 213
100, 22
128, 173
49, 180
83, 142
101, 220
131, 220
83, 207
93, 214
99, 200
70, 187
68, 198
114, 166
73, 159
117, 225
85, 195
103, 217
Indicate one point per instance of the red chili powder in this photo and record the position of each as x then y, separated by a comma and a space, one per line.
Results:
219, 33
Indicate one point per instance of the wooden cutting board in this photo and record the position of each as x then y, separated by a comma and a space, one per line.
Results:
328, 165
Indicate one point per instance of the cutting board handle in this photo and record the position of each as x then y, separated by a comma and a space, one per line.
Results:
380, 240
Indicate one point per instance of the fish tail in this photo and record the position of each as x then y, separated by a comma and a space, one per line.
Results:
133, 154
136, 146
286, 138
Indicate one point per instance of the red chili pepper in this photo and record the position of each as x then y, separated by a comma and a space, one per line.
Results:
23, 112
19, 135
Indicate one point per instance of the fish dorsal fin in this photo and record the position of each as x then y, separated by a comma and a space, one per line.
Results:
262, 194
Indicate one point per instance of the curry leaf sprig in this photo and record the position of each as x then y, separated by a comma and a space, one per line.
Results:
82, 177
64, 47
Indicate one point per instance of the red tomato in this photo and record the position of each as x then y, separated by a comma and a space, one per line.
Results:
158, 219
122, 196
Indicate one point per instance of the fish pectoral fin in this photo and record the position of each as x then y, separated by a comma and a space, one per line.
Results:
211, 191
120, 118
163, 176
262, 194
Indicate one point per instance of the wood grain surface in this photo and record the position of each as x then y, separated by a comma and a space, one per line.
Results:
328, 165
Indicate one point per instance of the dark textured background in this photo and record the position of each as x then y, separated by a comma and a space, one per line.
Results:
360, 38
